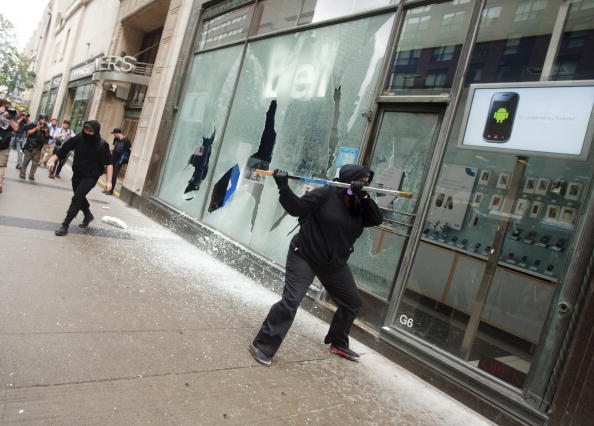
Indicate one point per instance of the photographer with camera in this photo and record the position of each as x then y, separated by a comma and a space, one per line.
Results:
37, 137
61, 136
19, 137
7, 126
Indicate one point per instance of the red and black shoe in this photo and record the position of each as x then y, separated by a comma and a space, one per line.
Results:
345, 353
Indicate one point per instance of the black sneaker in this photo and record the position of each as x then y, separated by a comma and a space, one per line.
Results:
260, 356
22, 176
31, 178
85, 223
345, 353
62, 231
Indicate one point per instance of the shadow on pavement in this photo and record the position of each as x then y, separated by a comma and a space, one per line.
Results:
42, 225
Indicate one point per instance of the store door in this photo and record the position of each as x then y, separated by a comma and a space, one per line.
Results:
399, 155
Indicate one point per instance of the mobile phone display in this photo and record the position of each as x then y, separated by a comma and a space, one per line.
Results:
500, 119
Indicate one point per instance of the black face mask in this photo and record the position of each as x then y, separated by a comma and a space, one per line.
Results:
89, 138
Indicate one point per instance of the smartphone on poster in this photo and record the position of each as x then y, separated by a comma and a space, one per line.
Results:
500, 119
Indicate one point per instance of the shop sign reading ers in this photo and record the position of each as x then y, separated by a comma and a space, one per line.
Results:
116, 63
548, 119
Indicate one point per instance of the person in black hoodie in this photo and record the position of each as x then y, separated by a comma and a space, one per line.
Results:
91, 156
331, 220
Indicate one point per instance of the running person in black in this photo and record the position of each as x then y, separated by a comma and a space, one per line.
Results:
91, 156
331, 220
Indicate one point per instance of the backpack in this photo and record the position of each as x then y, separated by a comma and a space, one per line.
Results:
5, 137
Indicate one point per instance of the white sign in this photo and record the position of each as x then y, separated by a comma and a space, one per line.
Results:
116, 63
452, 195
542, 119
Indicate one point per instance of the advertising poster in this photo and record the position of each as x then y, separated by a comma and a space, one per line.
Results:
452, 196
542, 119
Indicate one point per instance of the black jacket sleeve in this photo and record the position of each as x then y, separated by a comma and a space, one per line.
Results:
106, 159
65, 148
372, 215
308, 203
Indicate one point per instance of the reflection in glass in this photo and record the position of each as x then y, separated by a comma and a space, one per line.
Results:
275, 15
429, 48
226, 28
399, 161
322, 10
458, 236
320, 81
195, 139
575, 59
512, 41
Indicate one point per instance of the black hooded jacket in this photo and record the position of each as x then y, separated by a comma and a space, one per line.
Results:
91, 153
328, 227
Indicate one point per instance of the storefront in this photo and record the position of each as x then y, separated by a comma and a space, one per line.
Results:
481, 109
48, 96
76, 103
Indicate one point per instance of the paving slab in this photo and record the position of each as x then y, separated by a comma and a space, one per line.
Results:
137, 326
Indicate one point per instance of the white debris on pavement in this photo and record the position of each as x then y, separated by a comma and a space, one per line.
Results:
172, 253
114, 221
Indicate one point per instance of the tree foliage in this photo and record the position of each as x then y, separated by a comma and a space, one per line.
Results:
14, 66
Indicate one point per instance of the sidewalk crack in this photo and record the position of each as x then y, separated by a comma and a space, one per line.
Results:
175, 373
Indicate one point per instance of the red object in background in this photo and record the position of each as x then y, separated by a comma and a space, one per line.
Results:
504, 372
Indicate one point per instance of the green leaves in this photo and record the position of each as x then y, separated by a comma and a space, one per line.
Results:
14, 66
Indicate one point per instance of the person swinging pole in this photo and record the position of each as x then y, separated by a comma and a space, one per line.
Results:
331, 219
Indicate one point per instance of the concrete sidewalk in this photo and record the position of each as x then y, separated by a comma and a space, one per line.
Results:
137, 326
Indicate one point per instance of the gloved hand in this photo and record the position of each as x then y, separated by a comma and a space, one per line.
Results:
357, 188
281, 178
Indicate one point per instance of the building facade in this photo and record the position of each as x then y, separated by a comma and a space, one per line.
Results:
481, 282
109, 61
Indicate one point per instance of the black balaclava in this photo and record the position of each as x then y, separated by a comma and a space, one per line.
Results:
93, 124
350, 173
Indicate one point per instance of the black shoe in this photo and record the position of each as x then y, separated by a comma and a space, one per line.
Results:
31, 178
88, 219
108, 192
18, 166
22, 176
62, 231
260, 356
51, 176
345, 353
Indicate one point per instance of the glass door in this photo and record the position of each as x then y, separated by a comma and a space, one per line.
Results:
399, 156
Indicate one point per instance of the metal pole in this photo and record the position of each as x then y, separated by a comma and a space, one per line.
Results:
493, 260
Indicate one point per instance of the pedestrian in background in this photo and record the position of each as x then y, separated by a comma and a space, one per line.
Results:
37, 137
60, 136
119, 156
91, 157
48, 149
331, 219
7, 126
20, 136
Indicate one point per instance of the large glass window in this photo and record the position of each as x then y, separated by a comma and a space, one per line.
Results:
429, 48
226, 28
500, 227
275, 15
575, 58
401, 151
79, 105
512, 41
322, 10
299, 106
196, 136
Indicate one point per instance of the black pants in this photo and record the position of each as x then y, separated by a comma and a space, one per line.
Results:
81, 187
59, 166
339, 284
115, 159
